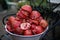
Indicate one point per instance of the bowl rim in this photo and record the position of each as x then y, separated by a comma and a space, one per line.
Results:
23, 35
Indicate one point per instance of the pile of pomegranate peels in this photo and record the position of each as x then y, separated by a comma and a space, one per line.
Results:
27, 22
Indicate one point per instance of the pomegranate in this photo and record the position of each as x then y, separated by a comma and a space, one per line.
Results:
18, 30
11, 18
31, 21
40, 18
14, 23
24, 11
33, 26
38, 29
18, 19
35, 15
25, 26
28, 32
24, 20
20, 15
9, 28
43, 23
27, 8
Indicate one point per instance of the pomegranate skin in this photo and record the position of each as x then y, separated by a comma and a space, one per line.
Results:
43, 23
35, 15
27, 8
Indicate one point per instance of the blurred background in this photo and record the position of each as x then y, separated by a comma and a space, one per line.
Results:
12, 6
